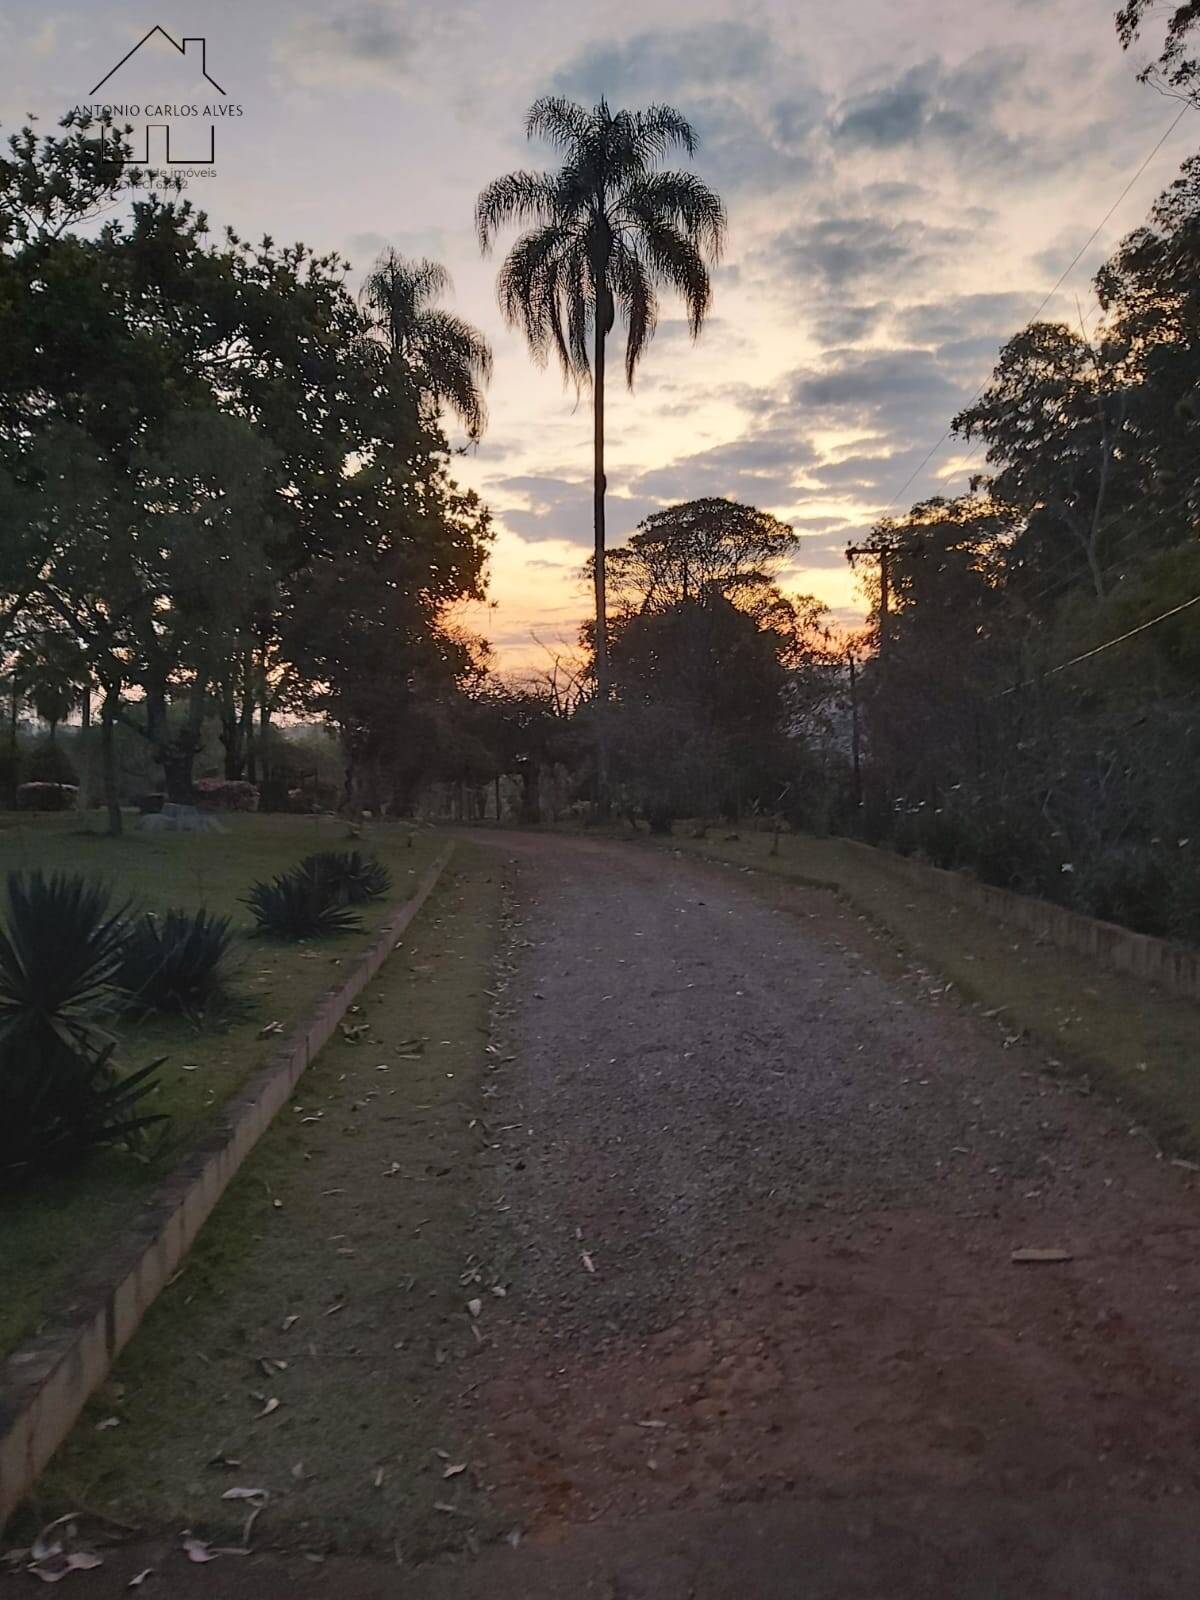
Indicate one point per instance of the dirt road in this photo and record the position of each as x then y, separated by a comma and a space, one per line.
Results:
753, 1198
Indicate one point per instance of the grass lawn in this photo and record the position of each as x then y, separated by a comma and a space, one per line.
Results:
48, 1229
333, 1278
1138, 1045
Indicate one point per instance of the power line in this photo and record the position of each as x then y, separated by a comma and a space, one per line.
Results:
1062, 278
1100, 648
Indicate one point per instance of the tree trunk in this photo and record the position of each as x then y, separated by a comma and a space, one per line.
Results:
85, 748
231, 732
108, 759
248, 718
14, 714
598, 488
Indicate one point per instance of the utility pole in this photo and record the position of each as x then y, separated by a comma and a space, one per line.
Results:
882, 550
854, 742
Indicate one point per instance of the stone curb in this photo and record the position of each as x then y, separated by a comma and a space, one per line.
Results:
45, 1386
1173, 967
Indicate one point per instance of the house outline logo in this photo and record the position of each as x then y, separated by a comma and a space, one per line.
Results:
158, 118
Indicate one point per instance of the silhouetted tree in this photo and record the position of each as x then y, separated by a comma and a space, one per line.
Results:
605, 233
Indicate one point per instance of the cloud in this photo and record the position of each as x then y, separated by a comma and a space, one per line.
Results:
859, 249
543, 507
754, 105
366, 45
706, 56
763, 467
931, 104
961, 316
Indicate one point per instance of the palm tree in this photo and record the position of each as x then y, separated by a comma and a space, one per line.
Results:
452, 360
606, 231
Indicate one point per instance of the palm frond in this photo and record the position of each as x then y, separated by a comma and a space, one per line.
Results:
518, 197
561, 122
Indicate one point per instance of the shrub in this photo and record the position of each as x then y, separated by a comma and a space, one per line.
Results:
226, 794
61, 1094
175, 962
352, 877
46, 796
62, 1100
299, 905
45, 761
58, 957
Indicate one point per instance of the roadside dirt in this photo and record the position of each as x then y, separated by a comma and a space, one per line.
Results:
753, 1198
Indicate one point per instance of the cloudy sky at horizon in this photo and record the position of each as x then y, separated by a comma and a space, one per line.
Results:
904, 184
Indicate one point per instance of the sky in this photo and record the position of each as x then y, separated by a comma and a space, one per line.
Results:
904, 184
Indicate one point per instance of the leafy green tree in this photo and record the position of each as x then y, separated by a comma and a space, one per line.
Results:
703, 547
1054, 420
605, 233
451, 359
1174, 69
1149, 291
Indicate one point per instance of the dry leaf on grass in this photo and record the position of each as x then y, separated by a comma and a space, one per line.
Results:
196, 1549
54, 1568
271, 1027
272, 1405
139, 1578
454, 1469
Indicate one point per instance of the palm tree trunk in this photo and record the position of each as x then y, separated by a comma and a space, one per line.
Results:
598, 487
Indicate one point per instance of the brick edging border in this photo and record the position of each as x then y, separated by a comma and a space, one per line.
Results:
1174, 967
45, 1385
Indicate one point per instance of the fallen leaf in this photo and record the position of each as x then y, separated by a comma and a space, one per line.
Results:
272, 1405
109, 1422
474, 1307
58, 1566
196, 1550
454, 1469
290, 1322
379, 1477
139, 1578
298, 1471
588, 1263
1029, 1253
271, 1027
247, 1494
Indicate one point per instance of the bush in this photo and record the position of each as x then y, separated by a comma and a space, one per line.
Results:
299, 905
176, 962
226, 794
61, 1094
45, 761
351, 877
46, 796
58, 958
62, 1100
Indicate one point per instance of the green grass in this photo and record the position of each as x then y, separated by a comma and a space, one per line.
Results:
48, 1229
359, 1197
1138, 1045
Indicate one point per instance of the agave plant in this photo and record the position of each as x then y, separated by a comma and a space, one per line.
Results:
64, 1099
175, 962
299, 905
354, 878
61, 1093
58, 959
